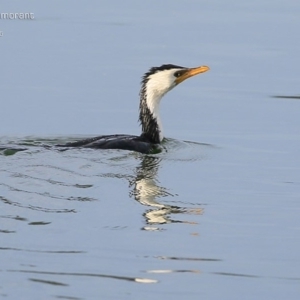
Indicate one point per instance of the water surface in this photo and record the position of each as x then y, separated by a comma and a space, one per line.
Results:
214, 215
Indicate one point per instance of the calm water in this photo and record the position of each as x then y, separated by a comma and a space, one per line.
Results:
215, 215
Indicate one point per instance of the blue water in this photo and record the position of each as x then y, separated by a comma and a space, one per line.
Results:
215, 215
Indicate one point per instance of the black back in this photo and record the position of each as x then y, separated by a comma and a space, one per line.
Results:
116, 141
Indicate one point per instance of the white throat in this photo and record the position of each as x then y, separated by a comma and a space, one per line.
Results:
153, 102
157, 86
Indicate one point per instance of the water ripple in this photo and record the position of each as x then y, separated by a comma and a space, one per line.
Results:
34, 207
132, 279
44, 251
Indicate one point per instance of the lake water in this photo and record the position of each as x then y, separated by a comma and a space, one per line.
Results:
214, 216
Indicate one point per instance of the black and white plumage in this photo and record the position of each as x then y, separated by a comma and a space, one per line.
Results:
155, 84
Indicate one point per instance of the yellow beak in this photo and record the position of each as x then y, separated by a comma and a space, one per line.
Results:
191, 72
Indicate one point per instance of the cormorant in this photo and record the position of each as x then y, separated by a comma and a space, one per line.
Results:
155, 84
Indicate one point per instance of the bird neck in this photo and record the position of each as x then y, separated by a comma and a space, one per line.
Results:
149, 115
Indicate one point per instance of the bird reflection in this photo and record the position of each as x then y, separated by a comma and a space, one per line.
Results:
147, 191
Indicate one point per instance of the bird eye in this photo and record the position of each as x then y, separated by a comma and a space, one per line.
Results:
177, 74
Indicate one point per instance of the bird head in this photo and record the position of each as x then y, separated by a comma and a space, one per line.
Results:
160, 80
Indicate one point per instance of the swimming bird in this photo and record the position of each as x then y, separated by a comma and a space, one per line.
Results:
155, 84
